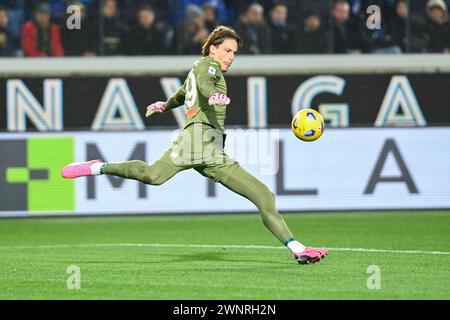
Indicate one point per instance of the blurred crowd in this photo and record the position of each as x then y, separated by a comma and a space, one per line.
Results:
34, 28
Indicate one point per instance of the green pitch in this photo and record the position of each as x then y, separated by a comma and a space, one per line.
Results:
226, 257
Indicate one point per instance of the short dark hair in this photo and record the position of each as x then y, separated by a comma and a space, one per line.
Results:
218, 36
42, 6
146, 7
276, 3
341, 2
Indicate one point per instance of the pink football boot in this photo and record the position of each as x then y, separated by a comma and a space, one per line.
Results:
79, 169
310, 255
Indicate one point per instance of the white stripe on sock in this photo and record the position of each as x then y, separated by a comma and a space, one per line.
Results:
95, 168
295, 246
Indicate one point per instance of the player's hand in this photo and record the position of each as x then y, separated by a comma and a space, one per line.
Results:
156, 107
218, 98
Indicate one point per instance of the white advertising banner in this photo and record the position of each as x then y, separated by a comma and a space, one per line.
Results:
346, 169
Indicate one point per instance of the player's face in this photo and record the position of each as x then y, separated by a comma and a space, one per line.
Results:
225, 53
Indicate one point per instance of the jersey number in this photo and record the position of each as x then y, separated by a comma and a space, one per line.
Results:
191, 90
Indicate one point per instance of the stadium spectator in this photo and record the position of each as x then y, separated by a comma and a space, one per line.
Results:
438, 26
301, 9
41, 37
16, 14
368, 40
191, 33
148, 36
4, 18
79, 42
211, 19
4, 23
344, 37
129, 9
282, 30
254, 31
114, 30
418, 37
360, 8
337, 32
312, 37
6, 50
236, 8
378, 39
178, 9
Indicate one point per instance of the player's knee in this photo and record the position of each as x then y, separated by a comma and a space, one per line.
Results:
154, 179
153, 176
132, 169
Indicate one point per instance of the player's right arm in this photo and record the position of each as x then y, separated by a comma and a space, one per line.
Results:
177, 100
173, 102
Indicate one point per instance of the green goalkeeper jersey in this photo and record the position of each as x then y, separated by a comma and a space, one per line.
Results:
203, 80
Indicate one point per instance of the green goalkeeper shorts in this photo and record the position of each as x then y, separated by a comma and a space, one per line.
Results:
201, 147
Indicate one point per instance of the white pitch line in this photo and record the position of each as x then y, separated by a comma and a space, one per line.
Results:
389, 251
212, 246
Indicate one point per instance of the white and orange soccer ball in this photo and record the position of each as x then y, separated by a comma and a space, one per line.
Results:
308, 125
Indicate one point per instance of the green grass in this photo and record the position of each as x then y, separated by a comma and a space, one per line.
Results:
30, 270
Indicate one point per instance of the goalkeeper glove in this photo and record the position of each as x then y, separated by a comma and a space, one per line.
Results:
156, 107
218, 98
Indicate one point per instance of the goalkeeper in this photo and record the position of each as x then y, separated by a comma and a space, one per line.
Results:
200, 145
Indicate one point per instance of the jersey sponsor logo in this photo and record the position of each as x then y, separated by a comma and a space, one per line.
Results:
212, 70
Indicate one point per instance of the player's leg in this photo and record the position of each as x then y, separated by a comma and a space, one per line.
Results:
240, 181
154, 174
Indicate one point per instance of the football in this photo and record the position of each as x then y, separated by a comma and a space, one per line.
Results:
307, 125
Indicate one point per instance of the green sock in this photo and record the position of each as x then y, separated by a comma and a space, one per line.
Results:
289, 240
